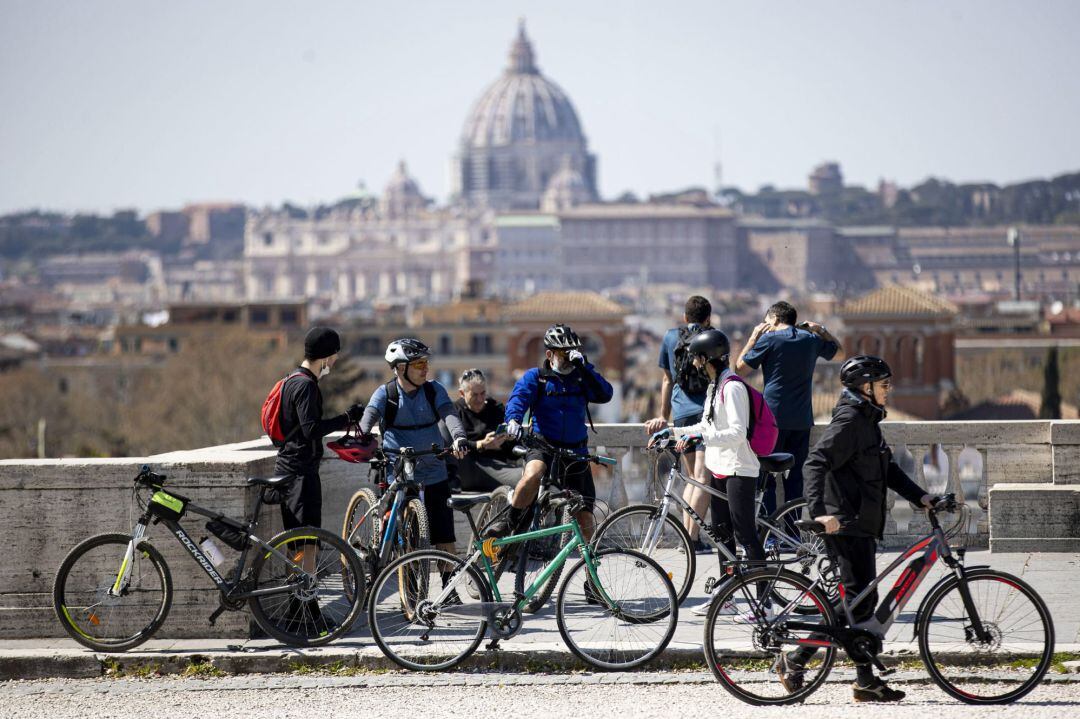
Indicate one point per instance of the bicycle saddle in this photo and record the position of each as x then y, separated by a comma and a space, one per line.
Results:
779, 462
269, 481
464, 504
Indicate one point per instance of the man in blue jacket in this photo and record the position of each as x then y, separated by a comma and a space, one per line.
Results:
558, 395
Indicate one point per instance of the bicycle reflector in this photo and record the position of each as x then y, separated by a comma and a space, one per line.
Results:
352, 448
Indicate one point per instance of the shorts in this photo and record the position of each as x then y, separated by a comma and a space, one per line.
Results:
440, 517
686, 422
576, 475
302, 502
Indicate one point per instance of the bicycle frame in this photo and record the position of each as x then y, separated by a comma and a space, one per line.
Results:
404, 470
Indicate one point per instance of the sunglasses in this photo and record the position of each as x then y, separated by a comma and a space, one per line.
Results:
419, 364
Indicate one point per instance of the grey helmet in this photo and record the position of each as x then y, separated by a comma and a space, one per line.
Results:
561, 337
406, 350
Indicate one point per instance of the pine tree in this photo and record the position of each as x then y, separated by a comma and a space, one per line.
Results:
1050, 407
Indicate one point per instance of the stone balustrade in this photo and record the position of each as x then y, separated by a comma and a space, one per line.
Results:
1021, 480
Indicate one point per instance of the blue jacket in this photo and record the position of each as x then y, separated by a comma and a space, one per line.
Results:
558, 402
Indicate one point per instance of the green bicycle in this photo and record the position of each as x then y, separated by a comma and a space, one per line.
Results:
616, 609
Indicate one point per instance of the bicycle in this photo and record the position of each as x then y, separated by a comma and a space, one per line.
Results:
616, 608
655, 531
974, 616
113, 591
384, 527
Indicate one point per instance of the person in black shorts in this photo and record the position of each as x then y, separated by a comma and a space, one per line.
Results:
491, 462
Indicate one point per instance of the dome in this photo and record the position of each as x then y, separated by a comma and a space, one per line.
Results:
516, 135
401, 194
521, 106
566, 189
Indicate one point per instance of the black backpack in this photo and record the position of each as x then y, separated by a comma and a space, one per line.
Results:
690, 379
393, 400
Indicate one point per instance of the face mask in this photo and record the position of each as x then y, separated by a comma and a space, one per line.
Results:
561, 368
324, 371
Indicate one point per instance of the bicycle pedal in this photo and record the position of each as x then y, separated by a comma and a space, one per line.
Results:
710, 585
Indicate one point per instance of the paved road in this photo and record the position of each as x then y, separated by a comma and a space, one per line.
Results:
475, 696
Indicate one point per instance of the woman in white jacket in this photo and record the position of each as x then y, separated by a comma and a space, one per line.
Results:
724, 429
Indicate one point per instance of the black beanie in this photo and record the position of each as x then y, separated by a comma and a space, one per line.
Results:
321, 342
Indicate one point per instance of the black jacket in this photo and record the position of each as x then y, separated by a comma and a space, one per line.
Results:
477, 426
849, 469
303, 425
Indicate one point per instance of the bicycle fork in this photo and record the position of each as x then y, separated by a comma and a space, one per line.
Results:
124, 575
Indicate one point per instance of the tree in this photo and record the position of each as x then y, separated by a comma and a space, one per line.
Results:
1050, 407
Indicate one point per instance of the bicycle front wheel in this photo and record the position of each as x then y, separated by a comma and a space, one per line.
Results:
89, 610
538, 554
319, 587
1012, 654
663, 538
415, 630
748, 643
635, 627
415, 532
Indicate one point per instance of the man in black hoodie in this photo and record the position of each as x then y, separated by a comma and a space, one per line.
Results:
847, 475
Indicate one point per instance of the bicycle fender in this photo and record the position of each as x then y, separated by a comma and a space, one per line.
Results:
919, 612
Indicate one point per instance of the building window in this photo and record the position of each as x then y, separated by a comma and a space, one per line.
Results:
289, 317
260, 316
268, 239
174, 344
446, 344
481, 344
368, 346
230, 316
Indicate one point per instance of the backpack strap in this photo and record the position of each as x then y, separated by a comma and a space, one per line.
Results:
294, 430
749, 401
393, 403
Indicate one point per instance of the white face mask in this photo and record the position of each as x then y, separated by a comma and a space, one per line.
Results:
324, 371
562, 368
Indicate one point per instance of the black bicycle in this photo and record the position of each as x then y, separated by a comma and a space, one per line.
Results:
304, 587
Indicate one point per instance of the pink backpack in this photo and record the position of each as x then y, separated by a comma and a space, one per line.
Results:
762, 432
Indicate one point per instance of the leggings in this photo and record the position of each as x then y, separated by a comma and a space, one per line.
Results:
737, 512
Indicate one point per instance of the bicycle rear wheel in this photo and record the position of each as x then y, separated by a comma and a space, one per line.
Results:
314, 607
410, 628
630, 528
100, 620
635, 628
1013, 654
747, 640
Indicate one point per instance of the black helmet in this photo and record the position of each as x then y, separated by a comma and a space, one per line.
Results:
712, 344
862, 369
561, 337
406, 350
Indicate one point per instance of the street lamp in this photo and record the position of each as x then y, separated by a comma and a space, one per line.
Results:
1013, 238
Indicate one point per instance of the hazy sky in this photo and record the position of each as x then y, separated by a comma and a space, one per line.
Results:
150, 104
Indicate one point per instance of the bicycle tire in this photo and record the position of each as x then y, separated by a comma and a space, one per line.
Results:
653, 612
340, 558
932, 613
542, 551
357, 511
415, 528
387, 603
744, 587
63, 594
620, 531
814, 561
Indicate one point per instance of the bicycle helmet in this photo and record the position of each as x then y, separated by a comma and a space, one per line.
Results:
352, 448
863, 369
712, 344
561, 337
406, 350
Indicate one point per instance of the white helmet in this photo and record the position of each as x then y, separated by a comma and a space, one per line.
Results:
406, 350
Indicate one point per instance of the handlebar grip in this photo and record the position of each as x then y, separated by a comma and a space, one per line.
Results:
607, 461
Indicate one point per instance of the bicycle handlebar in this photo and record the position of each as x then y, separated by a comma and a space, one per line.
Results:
538, 442
410, 453
148, 478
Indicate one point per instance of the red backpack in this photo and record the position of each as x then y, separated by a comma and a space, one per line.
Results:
762, 432
271, 411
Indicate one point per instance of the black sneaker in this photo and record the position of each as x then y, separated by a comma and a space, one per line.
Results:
790, 672
591, 597
505, 524
879, 691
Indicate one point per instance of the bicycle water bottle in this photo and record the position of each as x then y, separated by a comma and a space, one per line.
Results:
211, 551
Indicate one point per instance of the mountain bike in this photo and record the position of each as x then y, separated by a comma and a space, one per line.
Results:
974, 617
390, 525
113, 591
654, 530
616, 608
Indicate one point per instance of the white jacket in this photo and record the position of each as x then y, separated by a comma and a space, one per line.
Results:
727, 450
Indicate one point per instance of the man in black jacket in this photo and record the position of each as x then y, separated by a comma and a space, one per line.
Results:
847, 475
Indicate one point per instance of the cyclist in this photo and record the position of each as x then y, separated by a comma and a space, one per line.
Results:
724, 431
303, 425
409, 409
847, 474
557, 394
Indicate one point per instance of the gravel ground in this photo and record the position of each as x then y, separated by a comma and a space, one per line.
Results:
473, 696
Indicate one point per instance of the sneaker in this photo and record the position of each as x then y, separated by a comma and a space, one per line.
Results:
701, 548
790, 672
591, 597
879, 691
758, 615
702, 610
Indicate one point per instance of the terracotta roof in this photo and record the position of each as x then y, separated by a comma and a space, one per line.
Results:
897, 301
564, 307
1018, 404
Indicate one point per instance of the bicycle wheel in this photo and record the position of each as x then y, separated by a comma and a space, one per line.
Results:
809, 548
314, 607
410, 628
745, 636
539, 553
631, 527
636, 628
101, 621
363, 525
500, 502
414, 532
1020, 636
